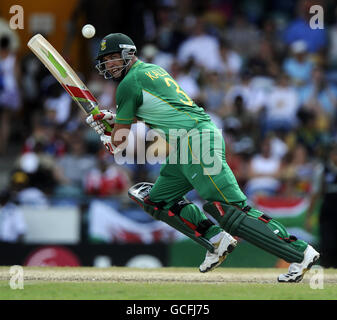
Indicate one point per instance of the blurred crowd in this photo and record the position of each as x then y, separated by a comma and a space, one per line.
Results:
267, 79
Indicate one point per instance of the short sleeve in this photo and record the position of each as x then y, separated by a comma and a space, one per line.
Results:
128, 99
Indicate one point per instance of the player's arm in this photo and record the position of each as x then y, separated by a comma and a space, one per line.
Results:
128, 99
124, 129
119, 135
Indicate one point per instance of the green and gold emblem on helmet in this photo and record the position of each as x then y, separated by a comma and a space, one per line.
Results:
103, 44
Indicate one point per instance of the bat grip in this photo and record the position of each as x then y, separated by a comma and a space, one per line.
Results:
106, 124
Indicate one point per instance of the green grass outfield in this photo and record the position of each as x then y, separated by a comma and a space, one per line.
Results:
118, 283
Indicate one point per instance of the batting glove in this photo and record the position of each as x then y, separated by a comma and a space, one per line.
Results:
95, 121
106, 140
109, 146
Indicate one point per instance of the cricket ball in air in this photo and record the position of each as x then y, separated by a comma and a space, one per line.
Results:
88, 31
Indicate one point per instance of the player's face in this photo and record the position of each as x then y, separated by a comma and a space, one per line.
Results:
114, 63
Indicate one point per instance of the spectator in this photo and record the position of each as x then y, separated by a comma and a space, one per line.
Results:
73, 167
231, 61
12, 223
237, 163
298, 66
6, 31
240, 136
107, 180
148, 53
297, 172
237, 120
40, 169
242, 36
272, 32
169, 30
299, 29
27, 194
32, 72
9, 91
279, 147
281, 108
264, 63
308, 134
57, 105
45, 138
263, 172
200, 47
182, 74
152, 54
213, 92
253, 99
319, 95
103, 91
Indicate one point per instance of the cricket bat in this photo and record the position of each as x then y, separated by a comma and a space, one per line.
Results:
65, 75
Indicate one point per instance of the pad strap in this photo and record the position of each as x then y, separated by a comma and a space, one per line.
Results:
176, 208
157, 205
203, 226
179, 205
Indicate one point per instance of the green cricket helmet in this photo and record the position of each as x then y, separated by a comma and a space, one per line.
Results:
115, 43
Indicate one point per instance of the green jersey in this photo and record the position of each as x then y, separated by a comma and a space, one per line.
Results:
148, 93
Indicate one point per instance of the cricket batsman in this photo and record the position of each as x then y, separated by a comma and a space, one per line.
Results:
146, 92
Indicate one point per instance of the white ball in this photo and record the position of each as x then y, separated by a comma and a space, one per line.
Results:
88, 31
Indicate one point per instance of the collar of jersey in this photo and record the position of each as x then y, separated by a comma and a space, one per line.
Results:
135, 64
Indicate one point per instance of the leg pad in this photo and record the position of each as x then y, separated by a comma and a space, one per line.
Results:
256, 228
139, 193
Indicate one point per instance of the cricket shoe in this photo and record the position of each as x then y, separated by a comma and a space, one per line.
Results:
296, 271
226, 244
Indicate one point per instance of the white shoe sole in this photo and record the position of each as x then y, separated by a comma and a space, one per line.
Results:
300, 276
222, 258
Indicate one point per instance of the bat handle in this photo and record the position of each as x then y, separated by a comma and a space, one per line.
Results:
107, 126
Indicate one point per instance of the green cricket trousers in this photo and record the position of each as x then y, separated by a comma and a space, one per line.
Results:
200, 164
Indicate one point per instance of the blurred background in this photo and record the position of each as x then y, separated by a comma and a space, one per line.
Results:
268, 80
